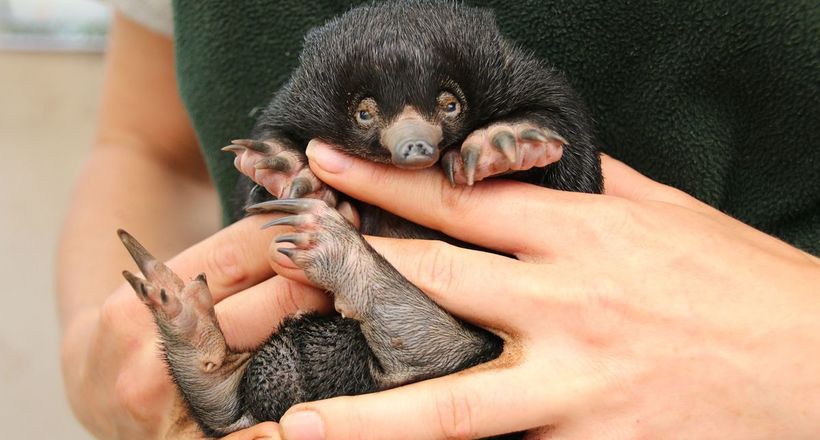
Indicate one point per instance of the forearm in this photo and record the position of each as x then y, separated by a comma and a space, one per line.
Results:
126, 188
144, 172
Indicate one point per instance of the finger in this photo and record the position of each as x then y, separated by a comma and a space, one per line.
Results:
262, 431
484, 214
474, 284
621, 180
234, 258
473, 405
248, 318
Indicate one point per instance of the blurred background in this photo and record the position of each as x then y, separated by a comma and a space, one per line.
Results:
50, 74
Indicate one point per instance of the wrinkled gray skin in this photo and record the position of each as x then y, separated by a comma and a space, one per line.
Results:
429, 77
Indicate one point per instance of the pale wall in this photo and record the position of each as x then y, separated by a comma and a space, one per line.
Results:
47, 111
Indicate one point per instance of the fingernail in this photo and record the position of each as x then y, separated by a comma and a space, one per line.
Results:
327, 158
303, 425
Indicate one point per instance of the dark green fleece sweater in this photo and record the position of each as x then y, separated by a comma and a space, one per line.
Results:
718, 98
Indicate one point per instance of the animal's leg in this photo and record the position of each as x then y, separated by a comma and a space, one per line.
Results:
410, 336
280, 168
206, 370
502, 148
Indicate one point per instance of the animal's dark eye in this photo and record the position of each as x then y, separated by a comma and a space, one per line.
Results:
367, 111
449, 104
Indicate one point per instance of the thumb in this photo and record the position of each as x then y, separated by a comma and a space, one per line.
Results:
479, 404
262, 431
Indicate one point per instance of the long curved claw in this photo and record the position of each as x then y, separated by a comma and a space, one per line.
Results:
156, 298
297, 239
533, 134
233, 148
275, 163
448, 162
536, 135
288, 252
292, 220
291, 206
136, 284
153, 269
504, 142
252, 144
300, 187
470, 154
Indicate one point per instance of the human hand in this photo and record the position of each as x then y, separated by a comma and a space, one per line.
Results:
641, 313
125, 389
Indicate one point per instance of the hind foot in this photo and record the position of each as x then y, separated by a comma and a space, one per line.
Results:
281, 170
502, 148
183, 312
207, 372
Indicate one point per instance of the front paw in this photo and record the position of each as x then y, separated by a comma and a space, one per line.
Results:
281, 170
325, 245
502, 148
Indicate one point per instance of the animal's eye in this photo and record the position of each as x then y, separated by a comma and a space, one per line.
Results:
449, 104
366, 112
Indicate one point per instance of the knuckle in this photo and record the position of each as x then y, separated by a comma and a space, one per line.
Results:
287, 301
438, 269
118, 310
455, 415
454, 204
137, 397
611, 219
224, 263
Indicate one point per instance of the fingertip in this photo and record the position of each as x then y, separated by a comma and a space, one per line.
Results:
609, 163
267, 431
302, 424
622, 180
327, 158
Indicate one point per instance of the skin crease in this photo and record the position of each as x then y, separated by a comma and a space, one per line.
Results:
654, 316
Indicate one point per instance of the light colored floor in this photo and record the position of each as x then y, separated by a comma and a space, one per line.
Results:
47, 111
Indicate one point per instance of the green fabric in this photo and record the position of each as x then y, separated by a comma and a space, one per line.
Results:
718, 98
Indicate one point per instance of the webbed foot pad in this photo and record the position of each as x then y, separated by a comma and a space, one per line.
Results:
282, 171
500, 149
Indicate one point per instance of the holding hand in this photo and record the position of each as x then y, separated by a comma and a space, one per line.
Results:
639, 313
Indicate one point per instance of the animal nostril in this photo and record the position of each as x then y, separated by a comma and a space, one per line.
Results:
417, 148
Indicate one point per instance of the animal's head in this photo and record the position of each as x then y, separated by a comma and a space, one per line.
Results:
400, 82
408, 131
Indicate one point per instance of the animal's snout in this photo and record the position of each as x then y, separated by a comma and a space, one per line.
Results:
416, 153
416, 148
412, 141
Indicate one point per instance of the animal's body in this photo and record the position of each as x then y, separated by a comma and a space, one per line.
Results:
414, 84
